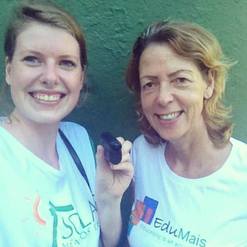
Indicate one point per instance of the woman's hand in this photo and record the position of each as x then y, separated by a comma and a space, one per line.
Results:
111, 183
113, 180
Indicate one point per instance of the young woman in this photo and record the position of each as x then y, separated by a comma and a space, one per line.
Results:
190, 174
45, 200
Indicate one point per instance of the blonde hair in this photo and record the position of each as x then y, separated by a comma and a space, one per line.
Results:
191, 41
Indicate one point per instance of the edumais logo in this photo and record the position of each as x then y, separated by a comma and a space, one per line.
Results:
143, 211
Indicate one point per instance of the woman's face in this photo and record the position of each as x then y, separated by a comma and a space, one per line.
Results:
45, 74
172, 93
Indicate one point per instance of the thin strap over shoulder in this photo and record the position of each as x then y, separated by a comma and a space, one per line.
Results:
75, 157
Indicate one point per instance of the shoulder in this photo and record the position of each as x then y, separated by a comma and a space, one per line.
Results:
239, 153
142, 149
139, 138
71, 126
141, 143
7, 141
76, 134
81, 142
239, 147
138, 144
71, 129
79, 139
239, 144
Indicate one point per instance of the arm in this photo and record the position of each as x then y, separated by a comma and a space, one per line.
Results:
111, 183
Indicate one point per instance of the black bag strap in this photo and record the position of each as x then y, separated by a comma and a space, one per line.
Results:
75, 157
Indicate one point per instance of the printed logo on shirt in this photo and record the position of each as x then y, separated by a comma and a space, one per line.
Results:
174, 236
143, 211
69, 229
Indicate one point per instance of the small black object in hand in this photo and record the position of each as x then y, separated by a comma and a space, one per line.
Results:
112, 148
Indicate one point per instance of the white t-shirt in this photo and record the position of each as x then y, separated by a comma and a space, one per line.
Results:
174, 211
41, 206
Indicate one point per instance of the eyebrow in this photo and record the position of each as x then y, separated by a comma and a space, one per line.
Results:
148, 77
170, 75
38, 53
180, 71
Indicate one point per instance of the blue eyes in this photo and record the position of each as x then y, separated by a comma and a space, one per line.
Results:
67, 64
31, 60
34, 61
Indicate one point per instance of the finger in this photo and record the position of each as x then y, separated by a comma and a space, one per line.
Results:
126, 146
100, 157
120, 139
99, 152
126, 157
125, 167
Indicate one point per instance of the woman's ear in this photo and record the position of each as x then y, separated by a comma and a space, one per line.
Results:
7, 71
210, 85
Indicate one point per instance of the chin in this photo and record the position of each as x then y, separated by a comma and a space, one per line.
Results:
170, 137
48, 119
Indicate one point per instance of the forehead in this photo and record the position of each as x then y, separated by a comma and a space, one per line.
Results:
38, 35
162, 55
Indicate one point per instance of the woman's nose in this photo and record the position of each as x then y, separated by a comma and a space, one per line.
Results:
165, 95
50, 74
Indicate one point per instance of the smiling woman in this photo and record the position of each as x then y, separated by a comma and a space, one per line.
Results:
47, 174
166, 77
45, 74
178, 73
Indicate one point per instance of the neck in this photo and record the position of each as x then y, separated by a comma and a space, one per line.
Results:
197, 157
40, 139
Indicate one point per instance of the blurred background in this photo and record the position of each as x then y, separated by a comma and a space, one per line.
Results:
111, 27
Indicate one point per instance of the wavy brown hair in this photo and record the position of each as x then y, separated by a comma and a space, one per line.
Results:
194, 42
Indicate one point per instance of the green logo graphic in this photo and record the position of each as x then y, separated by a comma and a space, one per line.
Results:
68, 227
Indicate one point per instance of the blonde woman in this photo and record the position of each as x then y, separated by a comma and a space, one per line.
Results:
190, 174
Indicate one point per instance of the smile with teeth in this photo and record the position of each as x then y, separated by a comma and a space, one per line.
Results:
47, 97
170, 116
